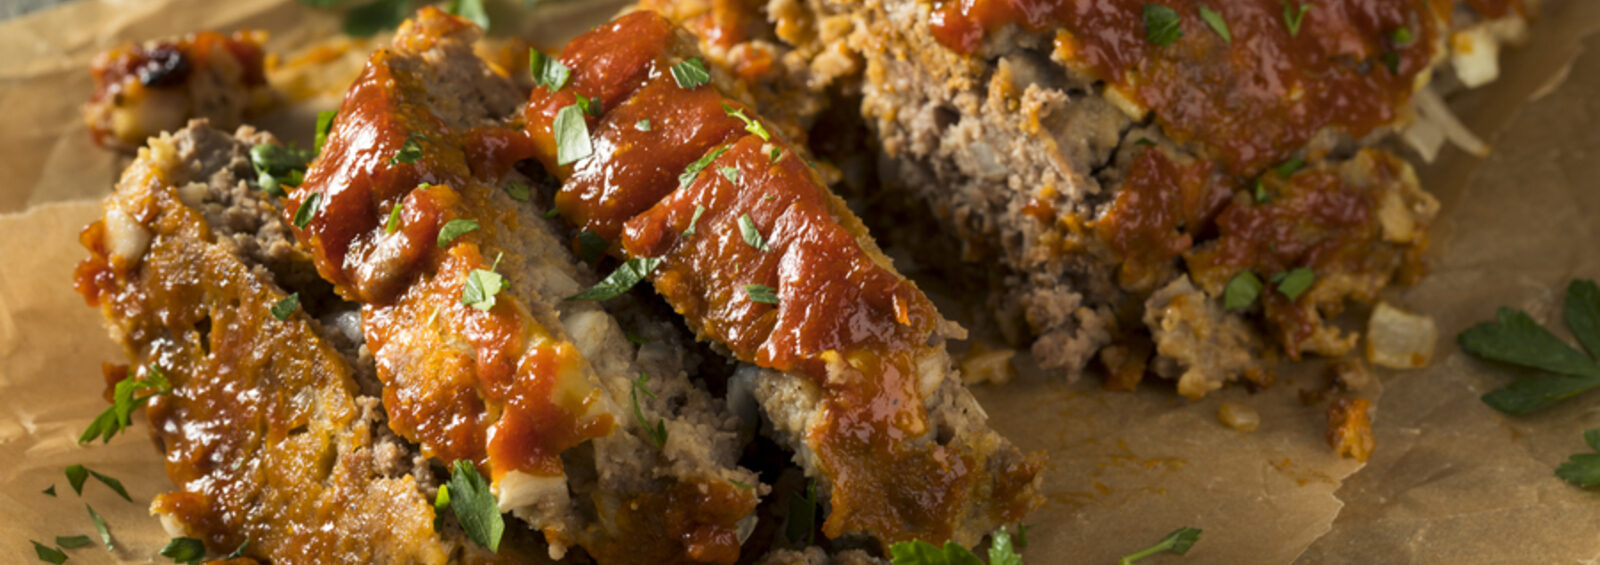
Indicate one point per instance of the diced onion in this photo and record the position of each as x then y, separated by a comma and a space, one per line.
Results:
1398, 339
1239, 416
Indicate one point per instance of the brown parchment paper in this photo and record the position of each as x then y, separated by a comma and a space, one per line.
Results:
1452, 481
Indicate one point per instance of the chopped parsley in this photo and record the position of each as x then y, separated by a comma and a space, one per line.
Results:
1583, 469
642, 125
571, 131
409, 151
1294, 13
1391, 60
239, 551
482, 286
76, 476
918, 552
801, 527
120, 415
741, 484
552, 213
518, 191
324, 125
50, 491
48, 554
1219, 25
454, 229
1295, 282
441, 502
393, 225
752, 236
1261, 192
475, 506
1288, 168
1241, 291
695, 219
472, 10
619, 281
1516, 339
590, 106
751, 125
185, 550
277, 167
591, 246
1145, 142
729, 173
1179, 542
101, 528
547, 71
1161, 25
72, 542
636, 340
369, 19
286, 307
774, 153
1400, 36
658, 431
307, 210
761, 293
691, 74
693, 170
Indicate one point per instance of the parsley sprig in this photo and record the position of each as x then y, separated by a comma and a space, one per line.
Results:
123, 402
619, 281
475, 505
1516, 339
1179, 542
917, 552
1583, 469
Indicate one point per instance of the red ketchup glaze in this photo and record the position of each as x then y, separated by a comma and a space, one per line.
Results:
1251, 102
168, 64
1156, 214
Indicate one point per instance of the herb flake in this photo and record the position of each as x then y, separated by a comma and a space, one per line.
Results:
761, 293
475, 506
547, 71
73, 542
1161, 25
482, 286
101, 528
571, 131
410, 151
695, 219
642, 125
519, 191
1179, 542
124, 401
591, 246
1296, 282
286, 307
324, 126
750, 125
752, 236
48, 554
658, 431
1241, 291
393, 225
1219, 25
1583, 469
1294, 14
693, 170
691, 74
454, 229
629, 273
184, 550
307, 210
472, 10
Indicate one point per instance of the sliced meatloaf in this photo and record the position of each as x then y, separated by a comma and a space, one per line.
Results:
143, 89
272, 430
414, 210
735, 229
1099, 151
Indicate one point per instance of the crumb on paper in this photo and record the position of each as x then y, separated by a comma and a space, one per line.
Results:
1350, 428
1239, 416
985, 364
1125, 363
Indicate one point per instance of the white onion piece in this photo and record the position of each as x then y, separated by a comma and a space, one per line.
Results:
1399, 339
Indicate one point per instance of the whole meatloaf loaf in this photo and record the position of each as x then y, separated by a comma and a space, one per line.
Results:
1111, 156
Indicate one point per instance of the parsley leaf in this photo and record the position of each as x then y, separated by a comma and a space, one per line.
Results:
48, 554
695, 219
1001, 550
1401, 35
410, 150
1293, 14
472, 10
1516, 339
761, 293
393, 225
918, 552
482, 286
752, 236
571, 131
518, 191
1261, 195
76, 475
119, 415
324, 125
475, 506
801, 525
693, 170
657, 432
369, 19
774, 154
1241, 291
454, 229
112, 483
1161, 25
72, 542
547, 71
1583, 469
1179, 542
590, 106
441, 502
284, 308
642, 125
277, 166
1219, 25
185, 550
619, 281
100, 526
1296, 282
50, 491
591, 246
691, 74
239, 551
1287, 168
750, 125
729, 173
307, 210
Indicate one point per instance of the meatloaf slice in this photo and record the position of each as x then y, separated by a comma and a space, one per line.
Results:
268, 433
413, 209
1096, 160
143, 89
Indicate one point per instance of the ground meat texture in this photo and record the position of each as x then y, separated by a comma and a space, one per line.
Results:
548, 397
144, 89
1096, 167
266, 434
855, 374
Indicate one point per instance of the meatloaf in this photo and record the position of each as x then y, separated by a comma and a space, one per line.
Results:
1107, 156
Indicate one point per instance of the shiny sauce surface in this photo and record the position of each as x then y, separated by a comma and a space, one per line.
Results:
1156, 215
1250, 102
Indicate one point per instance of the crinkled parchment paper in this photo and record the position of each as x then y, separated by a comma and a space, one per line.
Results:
1452, 481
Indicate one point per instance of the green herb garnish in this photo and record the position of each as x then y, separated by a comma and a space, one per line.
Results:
1401, 35
369, 19
475, 506
1293, 283
441, 502
50, 491
750, 125
1219, 25
393, 225
100, 526
454, 229
1241, 291
277, 166
590, 106
1583, 469
547, 71
239, 551
752, 236
482, 286
1516, 339
1288, 168
693, 170
48, 554
657, 432
801, 527
472, 10
410, 150
519, 192
1293, 14
619, 281
729, 173
286, 307
695, 219
185, 550
761, 293
591, 246
1179, 542
571, 131
1161, 25
123, 402
307, 210
324, 125
691, 74
73, 542
642, 125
